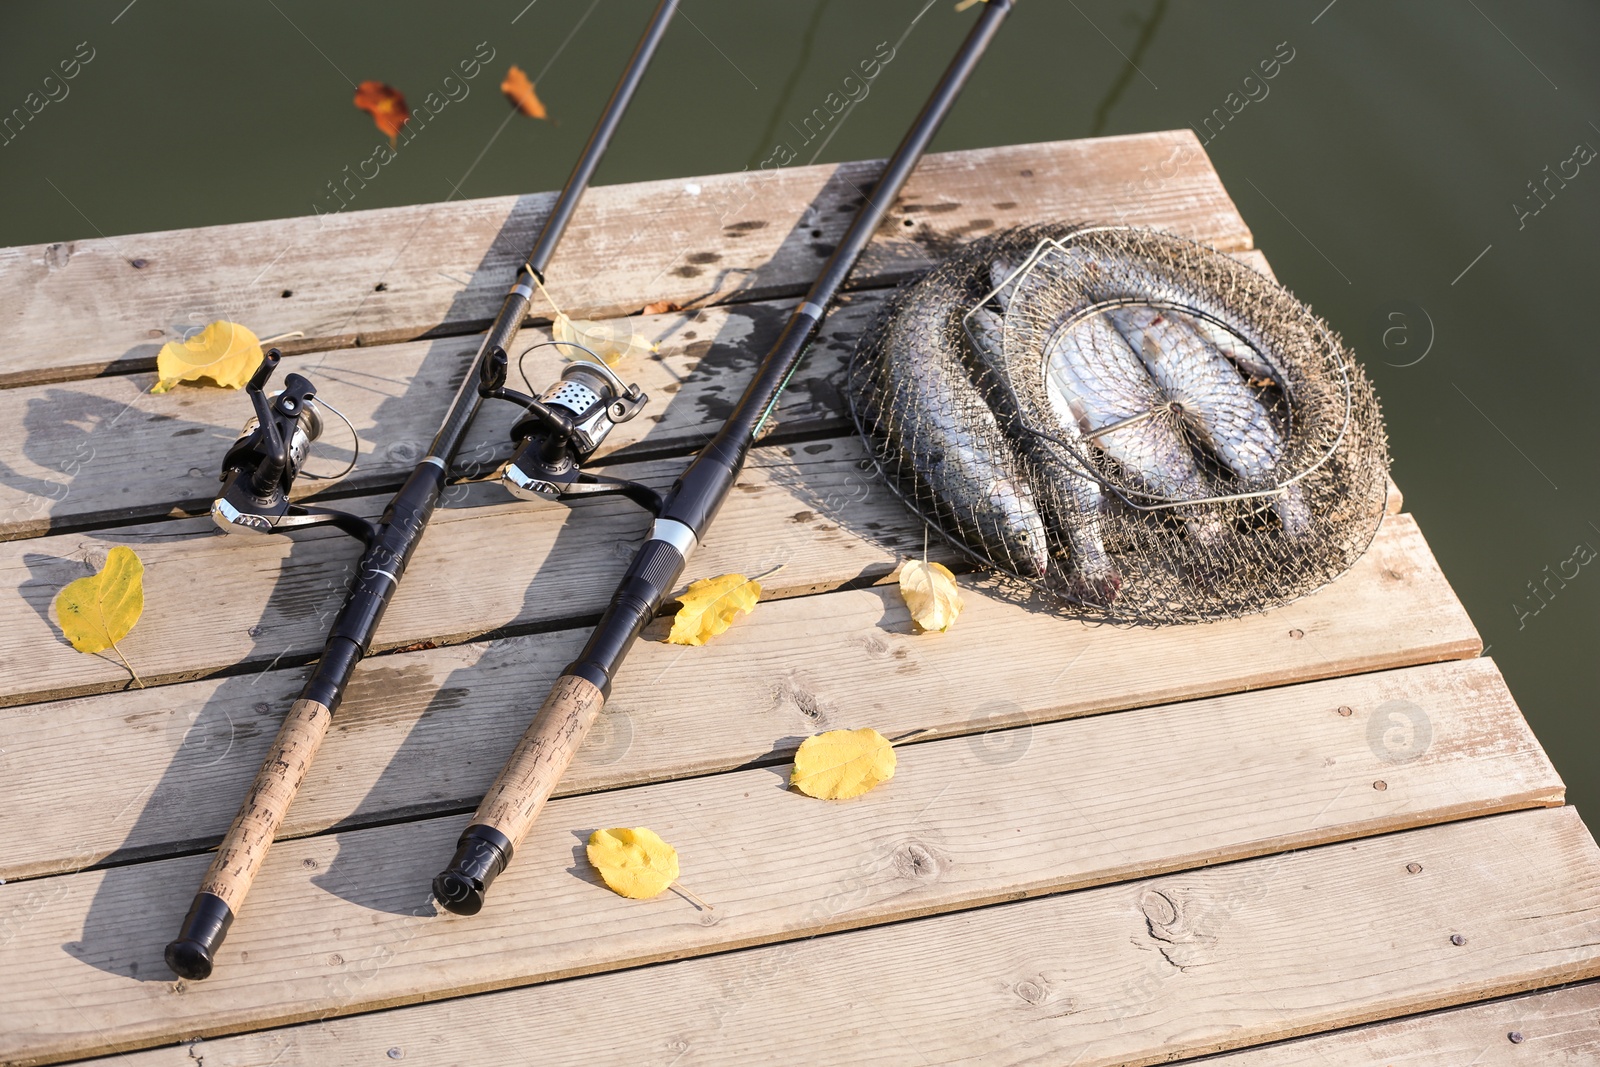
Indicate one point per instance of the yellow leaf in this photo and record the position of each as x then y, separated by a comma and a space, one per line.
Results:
635, 863
225, 352
98, 611
841, 764
612, 341
709, 607
930, 592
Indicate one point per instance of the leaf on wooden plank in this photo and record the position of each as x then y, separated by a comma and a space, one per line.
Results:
661, 307
225, 352
386, 105
98, 611
710, 605
519, 90
634, 862
930, 591
841, 764
611, 341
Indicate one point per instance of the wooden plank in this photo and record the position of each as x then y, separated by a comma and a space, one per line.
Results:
1557, 1028
1065, 805
79, 308
214, 602
217, 602
106, 450
1192, 962
185, 754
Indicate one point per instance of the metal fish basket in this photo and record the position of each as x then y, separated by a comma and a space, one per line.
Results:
1135, 425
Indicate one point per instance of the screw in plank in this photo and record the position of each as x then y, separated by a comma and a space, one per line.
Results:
1414, 868
397, 1054
1295, 635
1346, 710
1457, 939
1380, 785
1515, 1037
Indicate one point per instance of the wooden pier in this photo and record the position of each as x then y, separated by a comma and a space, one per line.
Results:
1326, 829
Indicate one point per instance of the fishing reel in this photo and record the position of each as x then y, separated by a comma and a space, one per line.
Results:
260, 468
561, 428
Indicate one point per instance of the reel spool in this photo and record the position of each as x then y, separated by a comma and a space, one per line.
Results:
571, 419
1133, 424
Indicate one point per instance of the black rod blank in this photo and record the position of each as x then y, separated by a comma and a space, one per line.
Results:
518, 795
223, 889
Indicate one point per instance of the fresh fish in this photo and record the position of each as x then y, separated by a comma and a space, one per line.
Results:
1095, 380
1204, 390
1247, 440
1094, 574
946, 436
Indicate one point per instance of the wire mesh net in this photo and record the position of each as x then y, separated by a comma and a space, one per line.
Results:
1135, 424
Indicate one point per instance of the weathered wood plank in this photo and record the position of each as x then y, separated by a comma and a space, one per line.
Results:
1192, 962
186, 753
1556, 1028
79, 308
106, 450
215, 602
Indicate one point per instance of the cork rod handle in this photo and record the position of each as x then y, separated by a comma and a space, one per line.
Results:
541, 758
519, 794
244, 848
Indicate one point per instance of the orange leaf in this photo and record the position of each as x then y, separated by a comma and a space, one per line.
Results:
661, 307
386, 106
519, 90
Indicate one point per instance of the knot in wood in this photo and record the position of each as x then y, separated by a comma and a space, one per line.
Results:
914, 860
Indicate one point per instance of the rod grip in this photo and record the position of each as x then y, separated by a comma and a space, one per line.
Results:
227, 881
518, 795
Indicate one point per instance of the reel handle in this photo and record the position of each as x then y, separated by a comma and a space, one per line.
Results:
239, 858
517, 797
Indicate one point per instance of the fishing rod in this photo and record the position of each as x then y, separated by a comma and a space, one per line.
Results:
517, 796
562, 427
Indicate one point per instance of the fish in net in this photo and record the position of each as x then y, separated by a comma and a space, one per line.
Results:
1134, 424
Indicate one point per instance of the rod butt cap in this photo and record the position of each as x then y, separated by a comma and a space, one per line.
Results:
191, 954
481, 854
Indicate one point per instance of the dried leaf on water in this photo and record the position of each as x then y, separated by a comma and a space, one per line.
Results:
930, 591
98, 611
634, 862
710, 605
225, 352
841, 764
386, 105
612, 341
519, 90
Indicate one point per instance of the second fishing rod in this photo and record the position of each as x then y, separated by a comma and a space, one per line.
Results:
526, 782
557, 430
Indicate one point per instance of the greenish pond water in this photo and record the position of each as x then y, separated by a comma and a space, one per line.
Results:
1419, 172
